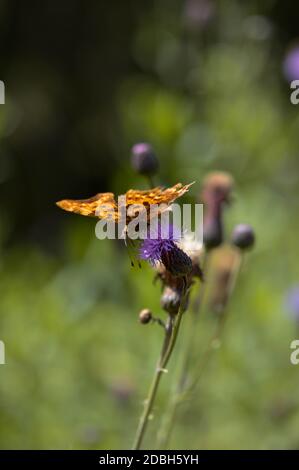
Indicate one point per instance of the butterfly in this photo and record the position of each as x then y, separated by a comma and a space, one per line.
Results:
104, 206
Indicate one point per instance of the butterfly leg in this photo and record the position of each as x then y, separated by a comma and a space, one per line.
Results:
131, 250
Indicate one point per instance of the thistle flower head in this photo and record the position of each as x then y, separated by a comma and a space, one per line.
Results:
160, 246
159, 240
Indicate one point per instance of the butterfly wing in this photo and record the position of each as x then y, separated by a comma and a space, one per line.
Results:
156, 195
102, 205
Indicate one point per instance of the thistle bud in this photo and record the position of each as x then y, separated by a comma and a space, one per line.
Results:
171, 300
143, 159
145, 316
243, 236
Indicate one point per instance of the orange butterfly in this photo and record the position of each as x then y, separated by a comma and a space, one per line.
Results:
104, 206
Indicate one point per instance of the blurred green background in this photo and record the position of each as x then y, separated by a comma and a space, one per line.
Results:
202, 81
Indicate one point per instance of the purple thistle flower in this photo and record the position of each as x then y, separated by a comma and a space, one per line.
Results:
160, 246
158, 241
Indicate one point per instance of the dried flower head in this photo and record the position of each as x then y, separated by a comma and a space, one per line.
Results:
191, 246
216, 191
194, 249
143, 159
217, 186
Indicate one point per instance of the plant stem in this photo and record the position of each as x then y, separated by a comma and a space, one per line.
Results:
151, 182
183, 388
170, 415
171, 333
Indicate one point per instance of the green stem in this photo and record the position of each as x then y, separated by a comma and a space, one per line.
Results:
170, 338
170, 415
183, 388
151, 181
